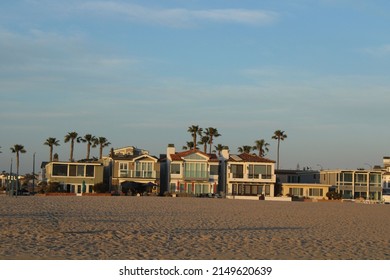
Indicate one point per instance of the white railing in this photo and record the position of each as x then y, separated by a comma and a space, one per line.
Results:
137, 174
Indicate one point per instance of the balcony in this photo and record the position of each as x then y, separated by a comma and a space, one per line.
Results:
137, 174
197, 175
239, 177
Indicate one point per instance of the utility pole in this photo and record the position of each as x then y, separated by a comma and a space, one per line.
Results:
33, 174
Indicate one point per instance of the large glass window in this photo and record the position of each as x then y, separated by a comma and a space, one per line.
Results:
90, 171
143, 169
256, 171
60, 169
80, 170
72, 170
316, 192
296, 191
237, 170
196, 170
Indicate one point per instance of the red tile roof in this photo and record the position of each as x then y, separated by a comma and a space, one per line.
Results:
179, 156
251, 158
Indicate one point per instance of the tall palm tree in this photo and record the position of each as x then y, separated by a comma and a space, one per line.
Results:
17, 149
195, 130
261, 146
204, 141
280, 136
71, 136
211, 132
245, 149
51, 142
102, 142
91, 142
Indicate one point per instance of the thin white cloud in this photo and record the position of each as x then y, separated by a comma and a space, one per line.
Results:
383, 50
180, 17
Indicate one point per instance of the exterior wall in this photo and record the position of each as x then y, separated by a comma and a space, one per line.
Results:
193, 181
317, 191
131, 174
75, 183
248, 185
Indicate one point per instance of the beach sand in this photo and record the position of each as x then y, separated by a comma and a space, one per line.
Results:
118, 228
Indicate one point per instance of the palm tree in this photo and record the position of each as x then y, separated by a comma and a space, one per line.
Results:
71, 136
245, 149
261, 146
189, 146
195, 130
17, 149
204, 141
102, 142
91, 142
51, 142
211, 132
280, 136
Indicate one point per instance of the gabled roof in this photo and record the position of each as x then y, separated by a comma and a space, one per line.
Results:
245, 157
181, 155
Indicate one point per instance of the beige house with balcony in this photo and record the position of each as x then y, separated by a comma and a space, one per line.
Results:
248, 175
131, 165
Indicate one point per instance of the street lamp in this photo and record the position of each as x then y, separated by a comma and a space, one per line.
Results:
33, 184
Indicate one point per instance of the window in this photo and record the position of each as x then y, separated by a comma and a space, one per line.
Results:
90, 171
237, 170
296, 191
175, 168
60, 169
80, 170
72, 170
316, 192
214, 169
123, 169
254, 171
143, 169
196, 170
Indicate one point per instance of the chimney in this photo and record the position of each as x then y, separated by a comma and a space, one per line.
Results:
170, 150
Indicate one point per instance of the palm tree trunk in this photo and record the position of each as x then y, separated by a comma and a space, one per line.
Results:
211, 143
278, 155
51, 153
71, 150
88, 150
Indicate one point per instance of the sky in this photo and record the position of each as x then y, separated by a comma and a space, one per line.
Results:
141, 72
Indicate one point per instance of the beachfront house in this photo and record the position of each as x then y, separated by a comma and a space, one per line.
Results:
355, 184
135, 168
386, 176
73, 177
306, 190
189, 172
247, 175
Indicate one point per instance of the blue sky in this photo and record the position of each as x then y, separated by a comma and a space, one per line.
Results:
141, 72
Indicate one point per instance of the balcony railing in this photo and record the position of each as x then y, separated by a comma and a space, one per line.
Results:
197, 175
259, 177
137, 174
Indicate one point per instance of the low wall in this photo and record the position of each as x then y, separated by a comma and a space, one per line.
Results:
278, 198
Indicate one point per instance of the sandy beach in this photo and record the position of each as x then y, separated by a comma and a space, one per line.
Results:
113, 228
